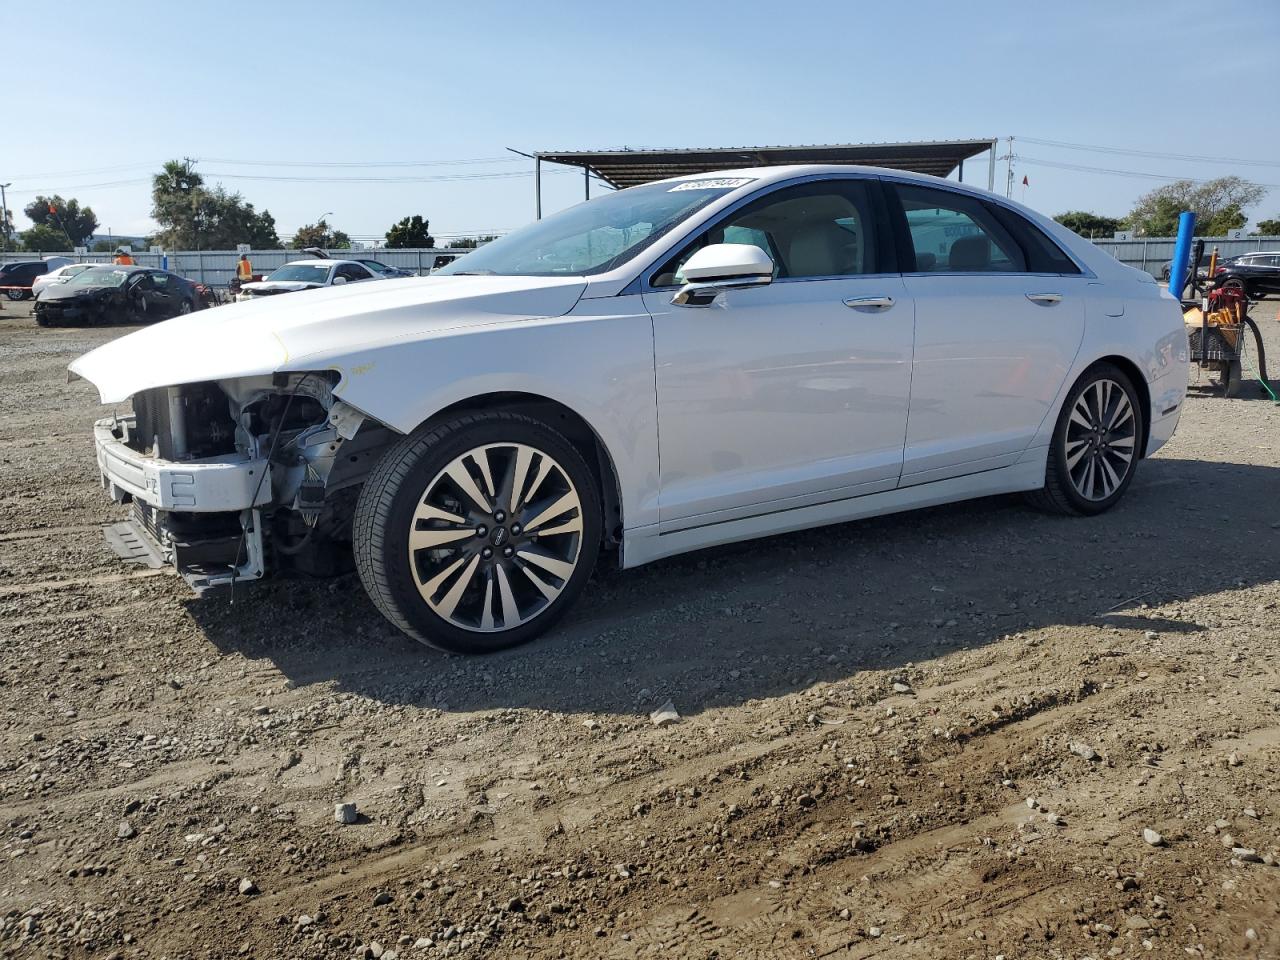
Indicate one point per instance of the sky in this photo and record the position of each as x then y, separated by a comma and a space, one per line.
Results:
337, 97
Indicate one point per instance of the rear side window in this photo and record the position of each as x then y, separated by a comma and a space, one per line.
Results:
1041, 253
954, 233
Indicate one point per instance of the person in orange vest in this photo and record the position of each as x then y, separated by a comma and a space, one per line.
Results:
122, 258
244, 269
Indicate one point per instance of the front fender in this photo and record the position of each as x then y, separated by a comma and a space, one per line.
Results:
597, 361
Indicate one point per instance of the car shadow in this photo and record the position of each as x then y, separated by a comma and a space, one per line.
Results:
771, 616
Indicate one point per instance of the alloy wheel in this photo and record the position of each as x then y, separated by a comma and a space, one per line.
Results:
1100, 440
495, 537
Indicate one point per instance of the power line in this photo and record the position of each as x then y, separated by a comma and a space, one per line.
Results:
359, 163
1118, 173
1093, 148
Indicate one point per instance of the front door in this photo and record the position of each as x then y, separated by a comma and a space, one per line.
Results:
793, 393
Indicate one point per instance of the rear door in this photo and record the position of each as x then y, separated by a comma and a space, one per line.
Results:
999, 318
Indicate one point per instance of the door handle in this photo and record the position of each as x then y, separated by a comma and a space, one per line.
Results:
1048, 299
869, 303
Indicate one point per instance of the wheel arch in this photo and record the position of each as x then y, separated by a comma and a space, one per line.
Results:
575, 428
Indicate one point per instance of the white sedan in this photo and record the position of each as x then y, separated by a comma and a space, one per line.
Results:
306, 275
681, 364
58, 276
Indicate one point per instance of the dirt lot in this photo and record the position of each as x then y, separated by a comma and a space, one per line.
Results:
935, 735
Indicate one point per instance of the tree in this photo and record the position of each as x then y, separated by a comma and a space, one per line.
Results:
75, 223
1089, 225
1268, 228
8, 240
410, 232
193, 217
1218, 204
320, 235
103, 246
42, 238
469, 243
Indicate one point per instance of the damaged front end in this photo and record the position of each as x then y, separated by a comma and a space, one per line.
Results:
232, 479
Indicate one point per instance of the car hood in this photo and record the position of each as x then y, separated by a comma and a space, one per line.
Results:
278, 286
64, 291
315, 331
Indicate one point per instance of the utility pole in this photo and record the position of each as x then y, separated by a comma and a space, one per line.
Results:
1008, 187
4, 214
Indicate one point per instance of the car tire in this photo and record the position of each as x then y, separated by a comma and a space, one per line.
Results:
1099, 426
16, 295
184, 308
427, 538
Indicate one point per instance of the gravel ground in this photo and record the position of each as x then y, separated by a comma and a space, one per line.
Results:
972, 731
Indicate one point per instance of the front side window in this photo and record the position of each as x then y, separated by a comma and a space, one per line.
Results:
594, 236
954, 233
351, 272
821, 229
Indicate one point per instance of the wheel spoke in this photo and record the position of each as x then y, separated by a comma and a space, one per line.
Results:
544, 588
1081, 448
573, 525
426, 511
565, 503
481, 459
520, 473
510, 612
422, 539
544, 468
458, 474
1108, 477
559, 568
449, 602
486, 612
1080, 414
432, 586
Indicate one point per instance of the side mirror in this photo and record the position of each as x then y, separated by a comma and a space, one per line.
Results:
722, 266
339, 280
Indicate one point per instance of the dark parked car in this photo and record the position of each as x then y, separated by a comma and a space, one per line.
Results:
17, 277
1257, 274
1202, 272
386, 270
114, 294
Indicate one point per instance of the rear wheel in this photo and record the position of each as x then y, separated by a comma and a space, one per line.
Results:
16, 294
1095, 446
477, 534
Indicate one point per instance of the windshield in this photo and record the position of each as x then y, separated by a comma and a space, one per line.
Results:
101, 277
594, 236
301, 272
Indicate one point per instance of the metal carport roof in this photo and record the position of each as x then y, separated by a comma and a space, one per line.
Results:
627, 168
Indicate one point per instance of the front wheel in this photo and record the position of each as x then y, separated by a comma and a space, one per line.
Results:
478, 534
1095, 446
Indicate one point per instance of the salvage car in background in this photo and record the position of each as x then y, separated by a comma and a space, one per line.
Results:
60, 275
306, 275
17, 277
115, 294
681, 364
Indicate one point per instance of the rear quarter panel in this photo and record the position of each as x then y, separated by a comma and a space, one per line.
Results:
1150, 334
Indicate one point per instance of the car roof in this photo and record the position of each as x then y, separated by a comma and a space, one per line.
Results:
312, 263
